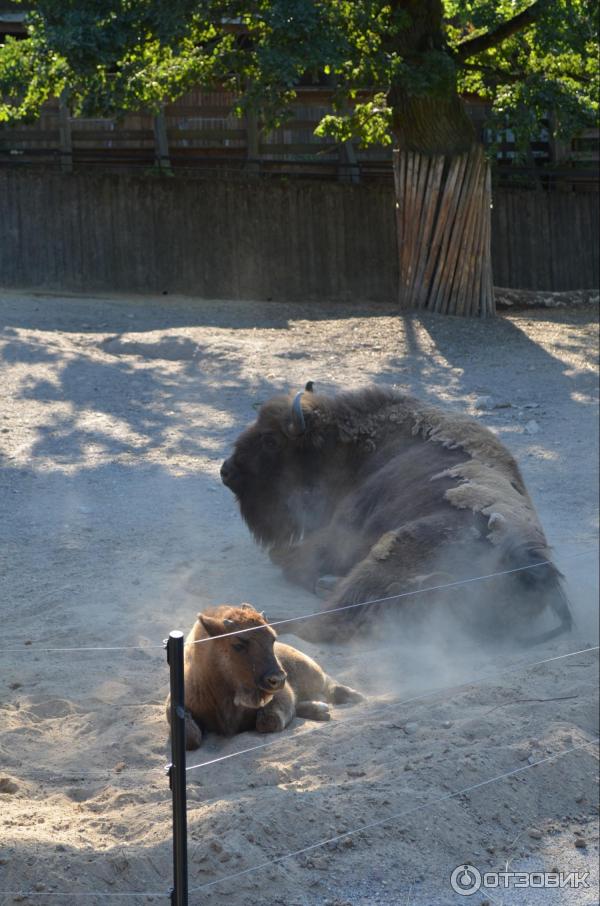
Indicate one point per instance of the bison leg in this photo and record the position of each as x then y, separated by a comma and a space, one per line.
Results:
395, 564
193, 733
313, 710
340, 694
300, 563
276, 716
325, 585
316, 563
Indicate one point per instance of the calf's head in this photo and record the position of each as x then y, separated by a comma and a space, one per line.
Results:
243, 661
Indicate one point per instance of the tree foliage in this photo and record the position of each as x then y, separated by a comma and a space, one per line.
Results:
529, 59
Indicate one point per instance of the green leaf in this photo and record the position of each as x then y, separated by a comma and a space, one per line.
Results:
120, 55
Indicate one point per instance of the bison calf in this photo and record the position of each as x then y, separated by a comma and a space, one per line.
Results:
250, 681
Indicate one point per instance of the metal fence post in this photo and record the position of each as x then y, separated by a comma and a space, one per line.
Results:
176, 770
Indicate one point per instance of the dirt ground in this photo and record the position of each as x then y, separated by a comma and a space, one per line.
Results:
116, 414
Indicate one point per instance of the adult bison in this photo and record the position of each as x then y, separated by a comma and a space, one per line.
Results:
371, 494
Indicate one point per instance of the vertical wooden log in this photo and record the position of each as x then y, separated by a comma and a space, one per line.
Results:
443, 272
489, 306
423, 199
435, 250
443, 223
474, 286
410, 220
399, 162
459, 252
465, 257
434, 189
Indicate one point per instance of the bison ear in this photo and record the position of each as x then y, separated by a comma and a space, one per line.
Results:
211, 624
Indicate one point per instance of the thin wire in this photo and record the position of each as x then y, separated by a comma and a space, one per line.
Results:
26, 649
319, 843
394, 817
399, 703
152, 771
79, 894
403, 594
308, 616
72, 777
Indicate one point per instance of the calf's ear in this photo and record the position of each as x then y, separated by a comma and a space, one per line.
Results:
211, 624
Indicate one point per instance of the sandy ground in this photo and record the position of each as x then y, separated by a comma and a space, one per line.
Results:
116, 414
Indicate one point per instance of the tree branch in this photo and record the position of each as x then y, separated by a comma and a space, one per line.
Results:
498, 75
502, 77
471, 46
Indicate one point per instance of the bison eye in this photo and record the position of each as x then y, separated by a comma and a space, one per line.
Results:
239, 646
269, 441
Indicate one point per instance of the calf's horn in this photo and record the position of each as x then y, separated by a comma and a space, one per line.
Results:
298, 415
228, 623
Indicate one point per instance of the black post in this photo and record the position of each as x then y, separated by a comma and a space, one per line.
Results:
179, 892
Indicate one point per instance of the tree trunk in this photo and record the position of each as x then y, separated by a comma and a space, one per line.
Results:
443, 225
442, 180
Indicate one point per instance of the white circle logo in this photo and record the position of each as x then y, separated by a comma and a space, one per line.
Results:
465, 880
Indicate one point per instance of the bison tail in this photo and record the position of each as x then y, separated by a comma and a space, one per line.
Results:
546, 580
559, 603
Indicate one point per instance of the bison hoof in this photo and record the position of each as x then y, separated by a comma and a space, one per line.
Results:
269, 722
193, 733
325, 585
341, 695
313, 710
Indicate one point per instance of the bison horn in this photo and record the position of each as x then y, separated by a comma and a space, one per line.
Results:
310, 386
228, 624
298, 422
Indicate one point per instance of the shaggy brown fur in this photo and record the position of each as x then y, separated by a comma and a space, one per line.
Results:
250, 681
371, 491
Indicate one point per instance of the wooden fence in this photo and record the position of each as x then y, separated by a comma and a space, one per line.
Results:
198, 130
545, 240
260, 239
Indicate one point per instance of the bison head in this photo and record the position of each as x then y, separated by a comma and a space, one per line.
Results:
244, 661
276, 470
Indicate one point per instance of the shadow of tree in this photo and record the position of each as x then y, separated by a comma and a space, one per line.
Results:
127, 401
109, 542
25, 351
473, 357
